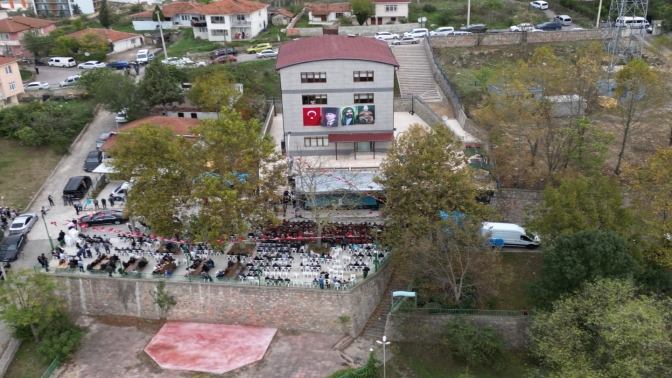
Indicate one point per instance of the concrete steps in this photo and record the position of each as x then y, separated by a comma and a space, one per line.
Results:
375, 326
415, 73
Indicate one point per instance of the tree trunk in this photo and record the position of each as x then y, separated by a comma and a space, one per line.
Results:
319, 233
33, 329
617, 170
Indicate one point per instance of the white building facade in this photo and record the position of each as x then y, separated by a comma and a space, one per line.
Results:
390, 11
232, 20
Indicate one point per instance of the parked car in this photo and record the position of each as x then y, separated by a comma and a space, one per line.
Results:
475, 28
121, 117
70, 81
12, 247
93, 160
406, 41
144, 56
226, 51
40, 62
551, 25
259, 48
121, 191
539, 4
104, 217
91, 64
102, 138
23, 223
35, 86
525, 26
461, 32
384, 36
442, 31
224, 59
270, 53
119, 65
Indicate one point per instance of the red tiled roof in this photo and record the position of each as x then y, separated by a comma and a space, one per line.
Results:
232, 7
20, 23
9, 26
179, 125
33, 22
107, 34
173, 9
361, 137
326, 9
334, 47
286, 13
4, 61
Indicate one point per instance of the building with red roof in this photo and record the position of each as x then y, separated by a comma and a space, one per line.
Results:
337, 95
328, 13
12, 29
119, 41
390, 11
229, 20
180, 126
176, 14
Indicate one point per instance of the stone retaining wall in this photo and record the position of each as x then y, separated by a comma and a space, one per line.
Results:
279, 307
516, 204
372, 29
413, 103
493, 39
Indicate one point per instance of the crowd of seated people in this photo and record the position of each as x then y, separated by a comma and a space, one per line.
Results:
332, 232
165, 265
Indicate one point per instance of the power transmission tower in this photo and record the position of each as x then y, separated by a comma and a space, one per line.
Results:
622, 39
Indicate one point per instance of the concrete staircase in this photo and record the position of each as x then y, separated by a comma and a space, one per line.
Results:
375, 326
415, 73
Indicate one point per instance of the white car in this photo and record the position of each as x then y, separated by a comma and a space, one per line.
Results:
71, 81
462, 32
384, 36
539, 4
417, 33
442, 31
121, 117
35, 86
406, 41
23, 223
525, 26
267, 54
91, 64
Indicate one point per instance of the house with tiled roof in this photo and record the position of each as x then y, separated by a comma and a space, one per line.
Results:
176, 14
328, 13
389, 11
229, 20
281, 17
10, 82
180, 126
119, 41
337, 95
12, 29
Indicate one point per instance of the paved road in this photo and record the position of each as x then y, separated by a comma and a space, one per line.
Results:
54, 75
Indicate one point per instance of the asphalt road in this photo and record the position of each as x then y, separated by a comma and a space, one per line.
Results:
54, 75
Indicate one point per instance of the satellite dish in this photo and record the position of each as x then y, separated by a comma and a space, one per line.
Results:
87, 53
422, 19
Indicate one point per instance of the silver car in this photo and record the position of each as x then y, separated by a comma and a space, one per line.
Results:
406, 41
23, 223
35, 86
267, 54
71, 81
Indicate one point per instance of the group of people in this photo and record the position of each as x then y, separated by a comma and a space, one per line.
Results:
7, 214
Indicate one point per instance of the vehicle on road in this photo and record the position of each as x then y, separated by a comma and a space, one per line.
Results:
119, 65
93, 160
102, 138
77, 187
475, 28
121, 117
259, 48
384, 36
564, 19
90, 65
226, 51
23, 223
121, 191
461, 32
509, 235
104, 217
12, 247
59, 61
71, 81
442, 31
35, 86
144, 56
40, 62
525, 26
224, 59
551, 25
539, 4
406, 41
270, 53
417, 33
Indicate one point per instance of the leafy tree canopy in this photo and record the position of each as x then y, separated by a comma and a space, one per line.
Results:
213, 92
105, 14
363, 10
158, 87
113, 91
92, 42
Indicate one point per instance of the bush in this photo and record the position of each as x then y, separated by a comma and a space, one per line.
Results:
61, 345
429, 8
477, 345
403, 20
444, 17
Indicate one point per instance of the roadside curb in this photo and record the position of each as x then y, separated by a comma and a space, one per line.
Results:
8, 356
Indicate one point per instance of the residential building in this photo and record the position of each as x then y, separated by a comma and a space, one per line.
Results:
390, 11
119, 41
12, 29
176, 14
14, 5
65, 8
328, 13
180, 126
281, 17
228, 20
10, 82
337, 95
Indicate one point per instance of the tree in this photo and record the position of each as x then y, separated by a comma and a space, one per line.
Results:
163, 300
76, 10
105, 15
213, 92
581, 203
29, 299
579, 257
38, 45
158, 17
113, 91
479, 346
78, 24
65, 45
639, 93
363, 10
604, 330
92, 42
158, 87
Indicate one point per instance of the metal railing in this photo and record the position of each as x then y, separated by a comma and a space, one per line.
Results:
50, 370
461, 311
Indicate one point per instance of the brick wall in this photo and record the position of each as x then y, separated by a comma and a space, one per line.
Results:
278, 307
490, 39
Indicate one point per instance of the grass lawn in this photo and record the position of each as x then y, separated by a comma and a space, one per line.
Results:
26, 74
271, 35
303, 22
523, 267
23, 170
129, 29
26, 363
188, 44
258, 76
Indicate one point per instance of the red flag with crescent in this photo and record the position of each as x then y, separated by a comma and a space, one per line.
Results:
312, 116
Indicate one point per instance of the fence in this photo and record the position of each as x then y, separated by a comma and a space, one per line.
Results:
460, 311
50, 370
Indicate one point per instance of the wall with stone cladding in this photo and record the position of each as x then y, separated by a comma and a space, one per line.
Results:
427, 328
516, 204
372, 29
310, 32
279, 307
403, 104
494, 39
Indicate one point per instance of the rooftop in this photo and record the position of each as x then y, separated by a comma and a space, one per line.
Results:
107, 34
286, 13
326, 9
20, 23
331, 47
5, 61
179, 125
232, 7
173, 9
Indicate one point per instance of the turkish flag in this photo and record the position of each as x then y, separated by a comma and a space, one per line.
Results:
312, 116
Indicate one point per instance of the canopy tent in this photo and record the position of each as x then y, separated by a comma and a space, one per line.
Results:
104, 167
336, 181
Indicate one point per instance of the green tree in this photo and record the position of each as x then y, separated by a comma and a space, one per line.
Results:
65, 45
158, 87
92, 42
479, 346
579, 257
158, 17
604, 330
213, 92
581, 203
113, 91
78, 24
363, 10
163, 300
38, 45
105, 14
76, 10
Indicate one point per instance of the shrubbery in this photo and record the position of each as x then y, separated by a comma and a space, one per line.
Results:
477, 345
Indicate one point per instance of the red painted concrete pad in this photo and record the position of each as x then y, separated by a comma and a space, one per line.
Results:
210, 348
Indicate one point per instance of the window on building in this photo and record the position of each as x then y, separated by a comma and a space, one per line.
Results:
8, 70
185, 17
314, 99
319, 141
194, 115
223, 32
339, 15
363, 98
4, 36
133, 41
202, 30
181, 115
217, 19
313, 77
362, 76
12, 86
240, 17
393, 19
390, 8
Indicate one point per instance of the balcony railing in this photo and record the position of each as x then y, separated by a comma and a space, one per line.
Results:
241, 23
199, 24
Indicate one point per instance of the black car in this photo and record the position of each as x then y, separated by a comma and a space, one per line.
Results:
475, 28
104, 217
551, 25
12, 246
93, 160
226, 51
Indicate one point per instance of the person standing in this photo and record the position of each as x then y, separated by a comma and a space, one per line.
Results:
137, 69
51, 200
80, 264
76, 208
106, 245
96, 246
37, 71
95, 204
111, 201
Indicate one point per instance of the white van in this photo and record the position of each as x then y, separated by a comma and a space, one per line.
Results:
564, 19
632, 22
509, 235
144, 56
59, 61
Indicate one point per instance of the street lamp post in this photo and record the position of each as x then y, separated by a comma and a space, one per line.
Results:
163, 41
48, 236
384, 343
